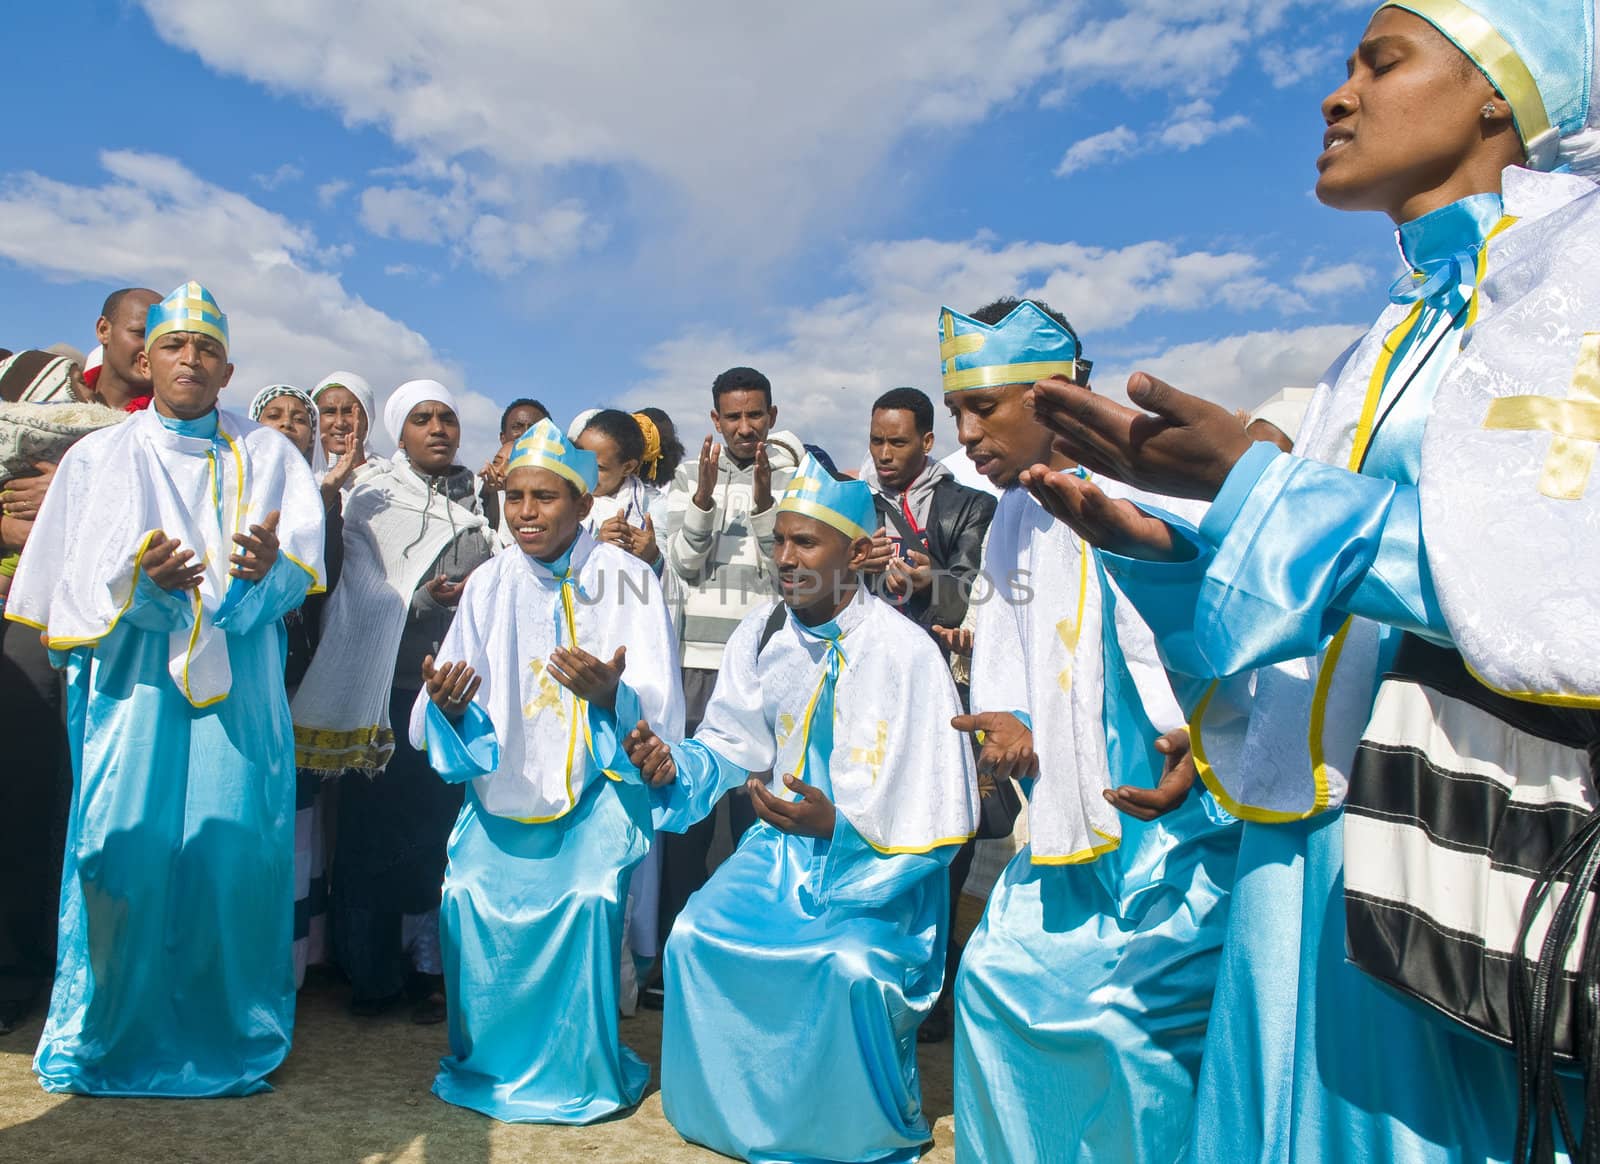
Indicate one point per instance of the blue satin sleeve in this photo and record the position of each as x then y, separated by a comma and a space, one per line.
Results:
704, 775
155, 609
461, 752
1300, 545
608, 727
1288, 550
248, 605
848, 873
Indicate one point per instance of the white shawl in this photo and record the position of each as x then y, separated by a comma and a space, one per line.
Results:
395, 527
900, 773
1039, 648
512, 616
116, 487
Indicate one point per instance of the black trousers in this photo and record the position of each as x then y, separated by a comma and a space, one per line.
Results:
685, 857
34, 800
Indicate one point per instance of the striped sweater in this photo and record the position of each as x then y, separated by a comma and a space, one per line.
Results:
721, 559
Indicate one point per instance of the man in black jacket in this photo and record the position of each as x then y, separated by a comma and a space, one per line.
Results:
927, 553
931, 542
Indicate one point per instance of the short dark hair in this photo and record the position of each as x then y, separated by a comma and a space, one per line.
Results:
521, 402
740, 380
912, 400
993, 313
108, 310
672, 450
621, 428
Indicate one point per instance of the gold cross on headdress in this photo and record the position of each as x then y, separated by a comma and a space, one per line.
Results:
549, 693
874, 756
1573, 424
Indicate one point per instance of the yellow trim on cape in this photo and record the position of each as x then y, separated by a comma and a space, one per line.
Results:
1083, 856
897, 850
64, 644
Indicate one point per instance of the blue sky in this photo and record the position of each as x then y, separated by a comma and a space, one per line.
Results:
609, 203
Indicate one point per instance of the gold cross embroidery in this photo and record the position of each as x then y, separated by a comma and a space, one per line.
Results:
874, 756
1067, 631
785, 728
1573, 424
549, 693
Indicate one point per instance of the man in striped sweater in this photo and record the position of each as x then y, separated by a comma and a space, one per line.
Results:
719, 556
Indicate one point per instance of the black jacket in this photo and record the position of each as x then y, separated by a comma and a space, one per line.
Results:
958, 519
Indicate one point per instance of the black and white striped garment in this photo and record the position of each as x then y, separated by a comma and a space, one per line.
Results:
1459, 799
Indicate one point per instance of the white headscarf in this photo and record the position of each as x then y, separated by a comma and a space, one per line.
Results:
358, 387
318, 459
581, 422
407, 397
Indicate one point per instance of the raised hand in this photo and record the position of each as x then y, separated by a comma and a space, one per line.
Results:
1007, 744
761, 487
957, 640
909, 575
169, 565
706, 487
1114, 524
650, 754
336, 477
615, 531
586, 676
443, 591
1180, 445
258, 550
1177, 778
813, 815
881, 554
645, 547
22, 496
451, 687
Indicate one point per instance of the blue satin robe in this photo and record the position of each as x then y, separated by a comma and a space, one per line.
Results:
174, 972
1308, 1059
531, 925
796, 979
1083, 995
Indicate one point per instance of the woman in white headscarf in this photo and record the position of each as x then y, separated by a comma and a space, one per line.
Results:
413, 531
345, 416
1435, 532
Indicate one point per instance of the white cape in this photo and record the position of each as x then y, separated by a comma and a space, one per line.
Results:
117, 487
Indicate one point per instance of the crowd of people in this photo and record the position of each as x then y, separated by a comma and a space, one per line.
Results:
1294, 711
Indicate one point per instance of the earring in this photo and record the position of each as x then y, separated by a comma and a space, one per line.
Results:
1489, 110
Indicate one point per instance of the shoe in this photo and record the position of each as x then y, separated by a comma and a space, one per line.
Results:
11, 1015
429, 1011
653, 998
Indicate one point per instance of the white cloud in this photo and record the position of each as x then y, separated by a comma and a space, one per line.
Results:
829, 361
328, 193
288, 172
1336, 280
1189, 126
1101, 147
1239, 371
154, 222
1193, 125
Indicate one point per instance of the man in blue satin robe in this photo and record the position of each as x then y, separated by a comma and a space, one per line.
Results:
551, 829
1082, 1000
166, 554
806, 964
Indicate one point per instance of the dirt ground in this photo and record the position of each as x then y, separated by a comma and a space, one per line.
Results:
355, 1091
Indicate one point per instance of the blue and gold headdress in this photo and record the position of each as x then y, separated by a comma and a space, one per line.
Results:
189, 308
1538, 54
845, 505
1025, 346
544, 446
